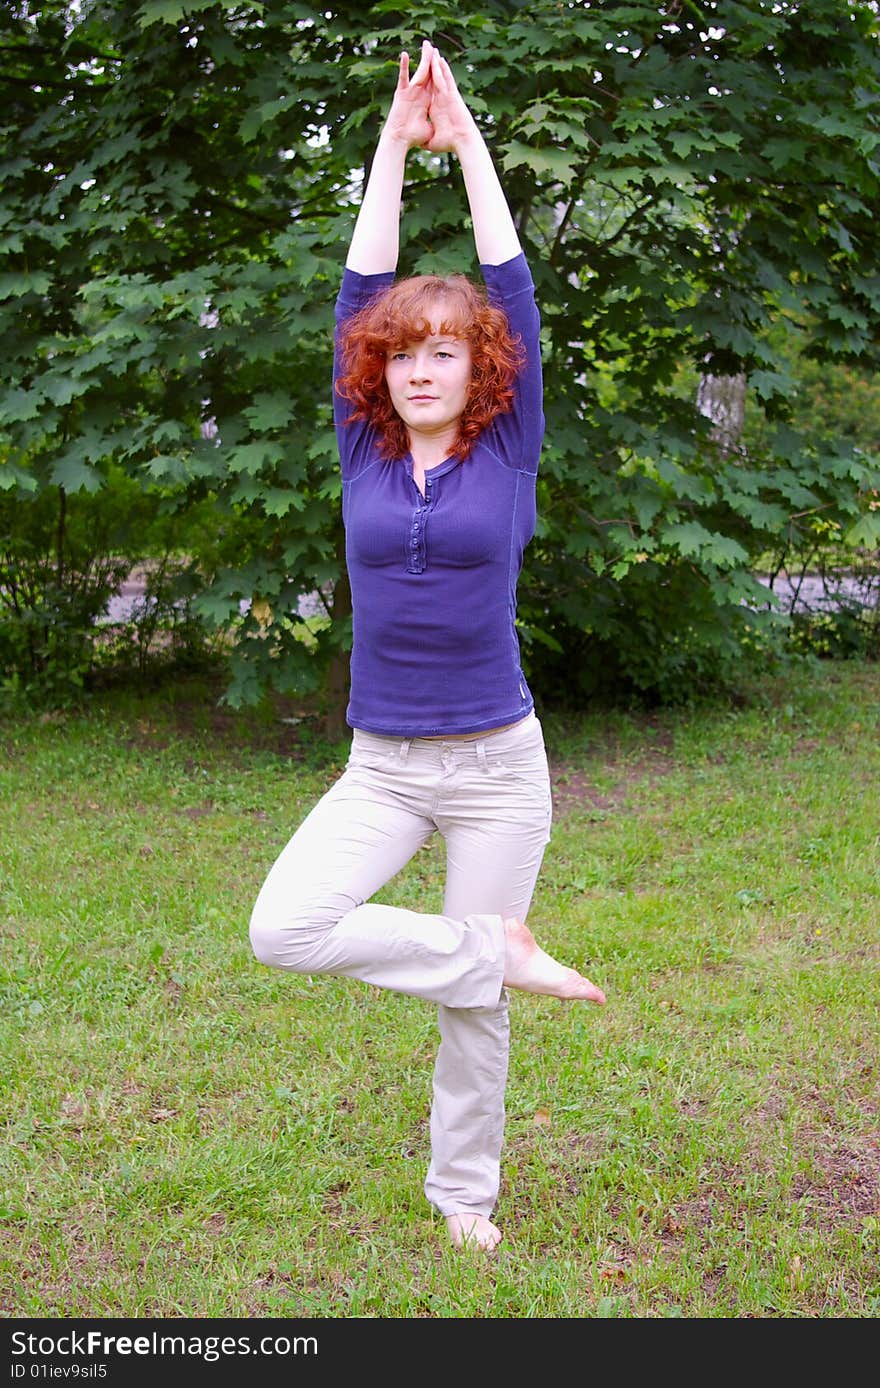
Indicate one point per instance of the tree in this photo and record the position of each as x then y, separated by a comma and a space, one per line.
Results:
179, 185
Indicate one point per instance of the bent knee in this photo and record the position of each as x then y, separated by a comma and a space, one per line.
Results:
266, 940
284, 944
292, 939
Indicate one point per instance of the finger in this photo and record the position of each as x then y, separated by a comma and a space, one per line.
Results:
444, 78
447, 73
437, 74
403, 75
424, 67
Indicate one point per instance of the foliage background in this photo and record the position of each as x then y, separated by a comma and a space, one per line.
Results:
695, 185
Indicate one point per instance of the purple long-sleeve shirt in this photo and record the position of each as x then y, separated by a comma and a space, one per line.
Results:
433, 577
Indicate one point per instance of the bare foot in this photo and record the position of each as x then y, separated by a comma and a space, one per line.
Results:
469, 1230
530, 969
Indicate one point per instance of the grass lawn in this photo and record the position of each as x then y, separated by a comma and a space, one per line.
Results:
192, 1134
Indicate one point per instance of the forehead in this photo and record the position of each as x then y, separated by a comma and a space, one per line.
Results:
438, 320
444, 319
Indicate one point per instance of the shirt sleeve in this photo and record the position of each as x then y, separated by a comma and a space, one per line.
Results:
516, 436
356, 441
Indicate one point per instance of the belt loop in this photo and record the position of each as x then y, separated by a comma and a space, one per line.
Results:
481, 755
404, 750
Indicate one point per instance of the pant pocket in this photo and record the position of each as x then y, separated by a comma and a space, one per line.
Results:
526, 782
371, 753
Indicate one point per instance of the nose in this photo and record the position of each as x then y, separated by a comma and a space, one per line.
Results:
419, 371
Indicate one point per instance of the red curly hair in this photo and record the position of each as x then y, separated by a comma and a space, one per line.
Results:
402, 314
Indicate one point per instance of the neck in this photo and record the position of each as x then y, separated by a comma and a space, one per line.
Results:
430, 449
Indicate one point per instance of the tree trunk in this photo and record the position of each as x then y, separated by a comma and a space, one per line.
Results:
723, 400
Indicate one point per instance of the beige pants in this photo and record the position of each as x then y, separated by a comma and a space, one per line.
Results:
490, 799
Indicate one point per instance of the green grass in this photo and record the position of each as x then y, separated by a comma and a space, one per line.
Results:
192, 1134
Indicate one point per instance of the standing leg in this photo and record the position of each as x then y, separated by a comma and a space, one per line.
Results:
496, 833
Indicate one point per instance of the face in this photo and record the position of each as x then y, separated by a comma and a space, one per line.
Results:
428, 382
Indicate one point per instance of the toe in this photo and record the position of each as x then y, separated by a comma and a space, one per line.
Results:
592, 994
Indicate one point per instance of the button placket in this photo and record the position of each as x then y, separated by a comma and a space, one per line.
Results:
416, 553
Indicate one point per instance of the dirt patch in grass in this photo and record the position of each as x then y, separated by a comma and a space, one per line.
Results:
842, 1188
287, 729
575, 790
844, 1184
54, 1289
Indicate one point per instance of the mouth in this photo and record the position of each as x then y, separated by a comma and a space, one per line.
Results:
424, 398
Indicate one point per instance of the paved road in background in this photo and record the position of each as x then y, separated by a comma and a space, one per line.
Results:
812, 595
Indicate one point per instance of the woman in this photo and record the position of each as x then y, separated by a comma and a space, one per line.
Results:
439, 423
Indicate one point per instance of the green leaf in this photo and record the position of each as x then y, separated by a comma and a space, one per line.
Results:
277, 501
21, 283
72, 472
251, 458
173, 11
691, 538
767, 384
866, 531
270, 411
259, 116
12, 477
552, 164
21, 405
167, 467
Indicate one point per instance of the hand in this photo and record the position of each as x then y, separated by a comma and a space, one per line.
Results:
451, 121
407, 120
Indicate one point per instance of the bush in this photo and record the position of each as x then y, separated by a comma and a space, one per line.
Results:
62, 558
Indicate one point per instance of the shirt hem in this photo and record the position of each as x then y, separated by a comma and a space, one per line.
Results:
442, 730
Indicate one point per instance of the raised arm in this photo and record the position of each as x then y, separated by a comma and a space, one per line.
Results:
454, 129
375, 240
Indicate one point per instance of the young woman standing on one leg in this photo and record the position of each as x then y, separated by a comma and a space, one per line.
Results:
439, 423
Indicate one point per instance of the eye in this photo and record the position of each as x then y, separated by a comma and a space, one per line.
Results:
447, 356
397, 356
